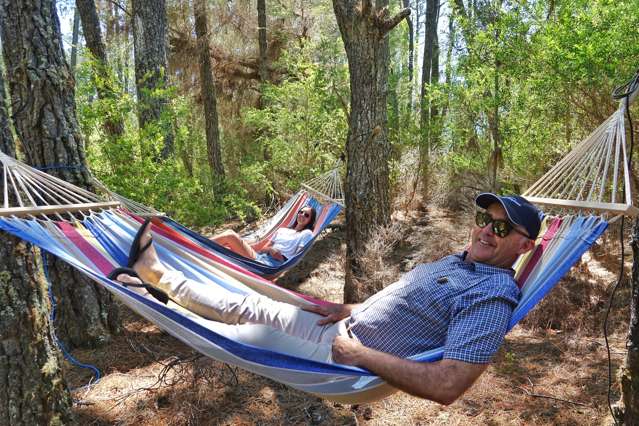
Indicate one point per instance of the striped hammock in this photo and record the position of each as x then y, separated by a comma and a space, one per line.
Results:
324, 193
284, 218
100, 241
94, 236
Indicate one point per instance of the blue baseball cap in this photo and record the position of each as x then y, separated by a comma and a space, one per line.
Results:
519, 210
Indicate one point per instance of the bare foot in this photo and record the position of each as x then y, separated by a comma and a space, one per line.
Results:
148, 265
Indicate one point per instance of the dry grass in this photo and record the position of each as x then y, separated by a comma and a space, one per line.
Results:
551, 370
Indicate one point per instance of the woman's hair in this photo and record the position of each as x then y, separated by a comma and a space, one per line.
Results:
311, 223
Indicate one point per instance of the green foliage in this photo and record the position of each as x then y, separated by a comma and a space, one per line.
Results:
130, 165
547, 77
302, 127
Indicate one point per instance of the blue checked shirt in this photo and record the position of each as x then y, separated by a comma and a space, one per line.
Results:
464, 307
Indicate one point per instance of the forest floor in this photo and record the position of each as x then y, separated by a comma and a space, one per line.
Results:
552, 369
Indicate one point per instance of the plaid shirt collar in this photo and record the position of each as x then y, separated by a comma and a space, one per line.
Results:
484, 268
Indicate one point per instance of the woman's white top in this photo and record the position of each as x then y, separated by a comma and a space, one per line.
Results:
288, 241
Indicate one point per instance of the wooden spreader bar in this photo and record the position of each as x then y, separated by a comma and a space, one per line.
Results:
45, 210
618, 208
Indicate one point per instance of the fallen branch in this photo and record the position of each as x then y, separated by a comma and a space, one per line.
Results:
554, 398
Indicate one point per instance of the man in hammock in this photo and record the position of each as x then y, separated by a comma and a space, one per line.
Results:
462, 302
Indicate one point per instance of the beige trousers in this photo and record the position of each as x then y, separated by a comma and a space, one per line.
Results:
218, 304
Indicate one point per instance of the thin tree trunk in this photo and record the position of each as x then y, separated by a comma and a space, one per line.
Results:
363, 28
494, 123
102, 78
261, 35
149, 42
434, 79
627, 408
43, 105
425, 146
32, 390
411, 54
75, 36
207, 85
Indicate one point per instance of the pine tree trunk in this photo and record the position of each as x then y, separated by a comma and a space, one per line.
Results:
261, 36
43, 106
207, 84
103, 80
75, 36
149, 43
627, 408
363, 28
32, 390
411, 55
430, 36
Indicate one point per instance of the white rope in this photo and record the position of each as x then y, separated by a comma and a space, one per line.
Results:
592, 176
32, 193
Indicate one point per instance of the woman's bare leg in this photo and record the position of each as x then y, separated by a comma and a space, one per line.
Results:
232, 241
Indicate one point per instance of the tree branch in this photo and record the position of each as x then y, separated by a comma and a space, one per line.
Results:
119, 6
387, 24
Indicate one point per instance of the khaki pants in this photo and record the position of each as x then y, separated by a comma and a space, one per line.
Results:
221, 305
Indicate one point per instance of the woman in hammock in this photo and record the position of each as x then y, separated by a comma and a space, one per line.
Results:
285, 243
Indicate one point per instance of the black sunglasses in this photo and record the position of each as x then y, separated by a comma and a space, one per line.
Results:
305, 214
501, 227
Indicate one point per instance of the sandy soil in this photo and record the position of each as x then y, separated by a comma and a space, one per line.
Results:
542, 375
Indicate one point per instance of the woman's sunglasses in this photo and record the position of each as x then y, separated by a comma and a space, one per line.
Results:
501, 227
306, 214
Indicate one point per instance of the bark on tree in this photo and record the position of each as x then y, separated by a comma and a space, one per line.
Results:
32, 390
207, 85
261, 36
411, 54
428, 65
626, 411
41, 87
103, 80
364, 27
75, 36
149, 44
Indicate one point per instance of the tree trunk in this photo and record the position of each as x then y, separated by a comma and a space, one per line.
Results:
411, 55
261, 35
425, 146
149, 44
364, 28
494, 124
43, 105
207, 85
102, 78
75, 36
32, 390
434, 79
627, 408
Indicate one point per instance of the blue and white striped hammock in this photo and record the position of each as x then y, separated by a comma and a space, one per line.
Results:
101, 241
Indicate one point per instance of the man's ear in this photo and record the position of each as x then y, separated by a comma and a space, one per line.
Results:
527, 246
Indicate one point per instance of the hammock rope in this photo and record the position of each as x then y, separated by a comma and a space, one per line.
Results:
594, 176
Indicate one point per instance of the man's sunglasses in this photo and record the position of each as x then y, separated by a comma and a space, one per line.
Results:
306, 214
501, 227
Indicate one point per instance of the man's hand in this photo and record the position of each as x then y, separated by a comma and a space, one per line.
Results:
346, 351
333, 312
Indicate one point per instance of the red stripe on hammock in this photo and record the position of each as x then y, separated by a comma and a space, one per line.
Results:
93, 254
539, 250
